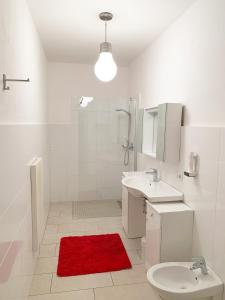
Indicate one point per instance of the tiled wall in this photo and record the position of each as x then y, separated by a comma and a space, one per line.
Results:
21, 144
205, 193
85, 143
23, 135
185, 64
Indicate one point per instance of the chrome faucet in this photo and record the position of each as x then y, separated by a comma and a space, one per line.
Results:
155, 173
199, 263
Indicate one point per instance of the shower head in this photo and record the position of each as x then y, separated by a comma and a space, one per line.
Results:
123, 110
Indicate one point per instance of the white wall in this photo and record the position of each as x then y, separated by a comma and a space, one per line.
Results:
86, 153
187, 64
23, 135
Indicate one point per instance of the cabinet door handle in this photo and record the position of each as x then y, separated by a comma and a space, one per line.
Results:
151, 215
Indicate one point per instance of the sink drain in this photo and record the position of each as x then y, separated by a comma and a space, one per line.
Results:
183, 287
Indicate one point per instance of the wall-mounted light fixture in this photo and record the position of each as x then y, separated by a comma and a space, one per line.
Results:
84, 101
105, 67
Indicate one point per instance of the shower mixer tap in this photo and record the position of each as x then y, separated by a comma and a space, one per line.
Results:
129, 146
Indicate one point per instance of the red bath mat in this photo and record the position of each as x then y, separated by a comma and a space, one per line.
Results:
81, 255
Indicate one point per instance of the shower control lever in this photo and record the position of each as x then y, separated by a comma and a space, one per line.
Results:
128, 147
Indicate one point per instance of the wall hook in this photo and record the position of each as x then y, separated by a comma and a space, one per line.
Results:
5, 79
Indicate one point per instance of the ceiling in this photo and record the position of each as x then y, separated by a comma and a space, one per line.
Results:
71, 31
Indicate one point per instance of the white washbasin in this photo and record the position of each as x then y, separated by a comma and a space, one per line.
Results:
175, 281
140, 186
137, 173
136, 184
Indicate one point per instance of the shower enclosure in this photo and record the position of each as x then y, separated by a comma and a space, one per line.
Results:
106, 136
87, 154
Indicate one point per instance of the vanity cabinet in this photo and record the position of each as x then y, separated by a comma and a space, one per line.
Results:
168, 233
133, 214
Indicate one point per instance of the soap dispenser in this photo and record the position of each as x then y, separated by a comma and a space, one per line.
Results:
193, 165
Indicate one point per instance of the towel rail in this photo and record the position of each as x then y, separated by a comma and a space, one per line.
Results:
5, 80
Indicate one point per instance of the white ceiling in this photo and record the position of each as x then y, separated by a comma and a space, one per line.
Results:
71, 31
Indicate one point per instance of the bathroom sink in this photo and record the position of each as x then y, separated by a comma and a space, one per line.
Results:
136, 184
175, 281
137, 174
143, 186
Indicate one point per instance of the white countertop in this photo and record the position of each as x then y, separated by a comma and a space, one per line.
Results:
141, 184
169, 207
135, 173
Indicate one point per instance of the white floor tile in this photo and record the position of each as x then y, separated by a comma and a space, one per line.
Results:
59, 220
71, 283
51, 229
135, 257
57, 250
112, 220
77, 226
135, 275
50, 239
131, 244
61, 206
76, 295
46, 265
47, 250
104, 228
126, 284
126, 292
41, 284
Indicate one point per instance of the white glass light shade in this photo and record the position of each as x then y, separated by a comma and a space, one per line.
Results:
105, 67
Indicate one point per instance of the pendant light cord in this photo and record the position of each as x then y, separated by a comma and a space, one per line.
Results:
105, 31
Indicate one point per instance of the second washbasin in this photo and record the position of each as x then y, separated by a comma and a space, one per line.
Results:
175, 281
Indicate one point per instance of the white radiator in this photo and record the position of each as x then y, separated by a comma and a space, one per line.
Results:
37, 202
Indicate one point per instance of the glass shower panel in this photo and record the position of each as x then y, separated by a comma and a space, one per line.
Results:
87, 155
101, 132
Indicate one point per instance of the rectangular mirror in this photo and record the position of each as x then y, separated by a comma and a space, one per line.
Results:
150, 128
159, 131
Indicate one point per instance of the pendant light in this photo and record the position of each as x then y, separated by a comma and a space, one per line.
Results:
105, 67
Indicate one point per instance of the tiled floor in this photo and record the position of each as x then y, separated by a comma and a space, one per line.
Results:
128, 284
